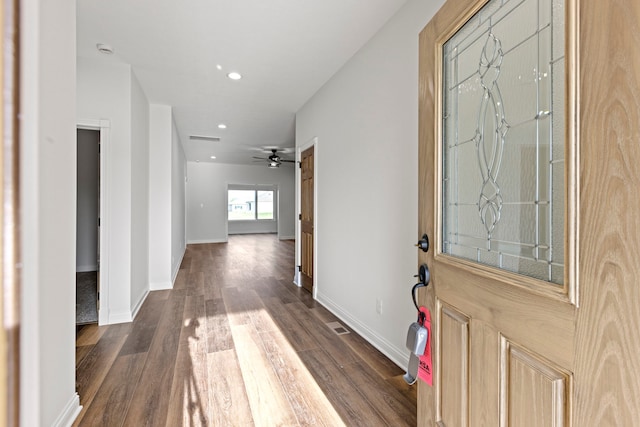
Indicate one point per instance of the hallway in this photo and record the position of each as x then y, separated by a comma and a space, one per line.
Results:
236, 343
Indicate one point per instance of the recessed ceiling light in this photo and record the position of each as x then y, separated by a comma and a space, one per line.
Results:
234, 76
219, 67
213, 157
222, 126
104, 48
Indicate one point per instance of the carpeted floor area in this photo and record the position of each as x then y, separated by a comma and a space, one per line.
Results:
86, 297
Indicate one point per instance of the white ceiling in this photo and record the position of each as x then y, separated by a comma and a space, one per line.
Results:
285, 50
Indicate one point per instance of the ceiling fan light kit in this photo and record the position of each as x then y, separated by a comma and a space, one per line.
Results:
274, 160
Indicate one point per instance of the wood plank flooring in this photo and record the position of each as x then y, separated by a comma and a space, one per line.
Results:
235, 343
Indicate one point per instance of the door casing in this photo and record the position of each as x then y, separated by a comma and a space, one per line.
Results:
104, 127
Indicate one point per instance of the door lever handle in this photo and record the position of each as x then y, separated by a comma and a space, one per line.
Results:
423, 243
424, 276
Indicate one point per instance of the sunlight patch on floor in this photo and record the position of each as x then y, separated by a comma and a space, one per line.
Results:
279, 386
262, 382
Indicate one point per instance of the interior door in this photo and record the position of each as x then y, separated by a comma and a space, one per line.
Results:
306, 218
527, 196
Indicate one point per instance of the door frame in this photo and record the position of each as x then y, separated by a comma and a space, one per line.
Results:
313, 142
103, 126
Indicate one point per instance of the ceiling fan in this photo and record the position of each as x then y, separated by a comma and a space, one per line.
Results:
274, 159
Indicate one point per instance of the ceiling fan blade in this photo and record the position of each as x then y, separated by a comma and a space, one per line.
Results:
260, 158
287, 161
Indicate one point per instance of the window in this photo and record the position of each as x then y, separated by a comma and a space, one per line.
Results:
250, 205
503, 144
265, 204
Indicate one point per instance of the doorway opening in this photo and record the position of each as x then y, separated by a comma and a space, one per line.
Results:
87, 226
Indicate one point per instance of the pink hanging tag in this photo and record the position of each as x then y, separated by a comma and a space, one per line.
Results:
425, 368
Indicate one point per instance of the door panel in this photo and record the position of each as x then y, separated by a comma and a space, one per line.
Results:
504, 351
534, 392
306, 218
484, 407
454, 371
498, 304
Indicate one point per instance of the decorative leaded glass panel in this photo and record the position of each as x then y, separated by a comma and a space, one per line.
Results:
503, 139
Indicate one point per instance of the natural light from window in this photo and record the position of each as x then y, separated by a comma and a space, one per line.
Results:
250, 205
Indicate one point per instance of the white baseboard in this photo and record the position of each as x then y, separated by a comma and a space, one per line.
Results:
127, 316
135, 310
296, 278
69, 413
399, 356
177, 268
243, 232
162, 286
86, 268
119, 317
197, 242
287, 237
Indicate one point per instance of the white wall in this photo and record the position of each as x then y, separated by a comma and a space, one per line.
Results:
178, 201
49, 83
253, 227
48, 212
207, 197
139, 194
366, 122
88, 175
160, 128
147, 232
104, 92
166, 200
107, 90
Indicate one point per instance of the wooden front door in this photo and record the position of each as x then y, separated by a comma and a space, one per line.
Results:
306, 219
532, 211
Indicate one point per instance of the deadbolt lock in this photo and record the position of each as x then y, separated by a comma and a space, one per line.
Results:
423, 243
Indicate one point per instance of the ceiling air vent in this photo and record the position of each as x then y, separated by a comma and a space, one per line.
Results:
204, 138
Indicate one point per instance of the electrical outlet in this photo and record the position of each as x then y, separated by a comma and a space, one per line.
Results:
378, 306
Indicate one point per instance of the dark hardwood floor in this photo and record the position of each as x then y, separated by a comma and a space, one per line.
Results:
235, 343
